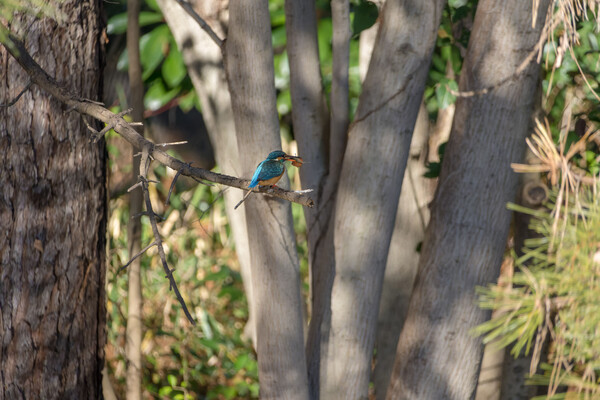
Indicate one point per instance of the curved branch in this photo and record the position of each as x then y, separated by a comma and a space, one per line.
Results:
123, 128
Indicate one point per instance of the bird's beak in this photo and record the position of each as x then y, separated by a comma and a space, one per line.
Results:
296, 161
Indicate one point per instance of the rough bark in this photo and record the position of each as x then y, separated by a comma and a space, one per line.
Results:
369, 188
436, 356
273, 257
204, 61
53, 216
133, 344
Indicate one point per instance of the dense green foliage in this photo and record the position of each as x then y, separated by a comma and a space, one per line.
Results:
554, 296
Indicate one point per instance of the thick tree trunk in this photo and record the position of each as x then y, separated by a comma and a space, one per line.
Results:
53, 216
204, 61
275, 269
437, 357
369, 188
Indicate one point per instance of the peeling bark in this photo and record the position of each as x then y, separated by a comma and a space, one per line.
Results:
53, 217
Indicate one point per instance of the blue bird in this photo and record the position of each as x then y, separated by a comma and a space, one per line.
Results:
271, 170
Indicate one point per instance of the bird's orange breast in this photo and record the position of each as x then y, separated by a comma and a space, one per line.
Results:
271, 181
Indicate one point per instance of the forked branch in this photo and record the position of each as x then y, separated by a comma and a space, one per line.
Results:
38, 76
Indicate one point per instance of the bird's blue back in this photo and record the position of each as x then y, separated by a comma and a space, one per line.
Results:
266, 170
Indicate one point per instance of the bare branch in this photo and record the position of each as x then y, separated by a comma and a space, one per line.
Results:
145, 249
144, 166
213, 35
13, 101
123, 128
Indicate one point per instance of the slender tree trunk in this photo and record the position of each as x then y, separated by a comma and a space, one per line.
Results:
204, 61
133, 344
412, 218
369, 188
437, 357
275, 269
321, 150
53, 217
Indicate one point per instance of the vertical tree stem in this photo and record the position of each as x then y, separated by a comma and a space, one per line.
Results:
134, 331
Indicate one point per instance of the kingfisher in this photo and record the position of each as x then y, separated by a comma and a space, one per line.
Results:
271, 170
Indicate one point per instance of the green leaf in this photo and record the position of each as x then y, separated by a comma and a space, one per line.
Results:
172, 380
173, 69
188, 101
457, 3
278, 37
117, 24
153, 5
157, 95
365, 15
443, 93
153, 46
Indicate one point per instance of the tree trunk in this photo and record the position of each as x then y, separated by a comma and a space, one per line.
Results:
204, 61
369, 188
133, 344
437, 357
321, 170
273, 257
53, 217
412, 218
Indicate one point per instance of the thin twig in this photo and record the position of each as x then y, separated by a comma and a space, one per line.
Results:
168, 200
190, 10
242, 200
171, 144
144, 166
13, 101
145, 249
38, 76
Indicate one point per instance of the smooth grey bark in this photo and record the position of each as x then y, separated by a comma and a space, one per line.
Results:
436, 356
310, 118
369, 188
340, 113
412, 218
274, 261
133, 344
204, 62
52, 215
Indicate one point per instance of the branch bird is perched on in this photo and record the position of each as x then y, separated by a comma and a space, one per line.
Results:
271, 170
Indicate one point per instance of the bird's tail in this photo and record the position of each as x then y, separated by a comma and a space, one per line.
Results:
243, 199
